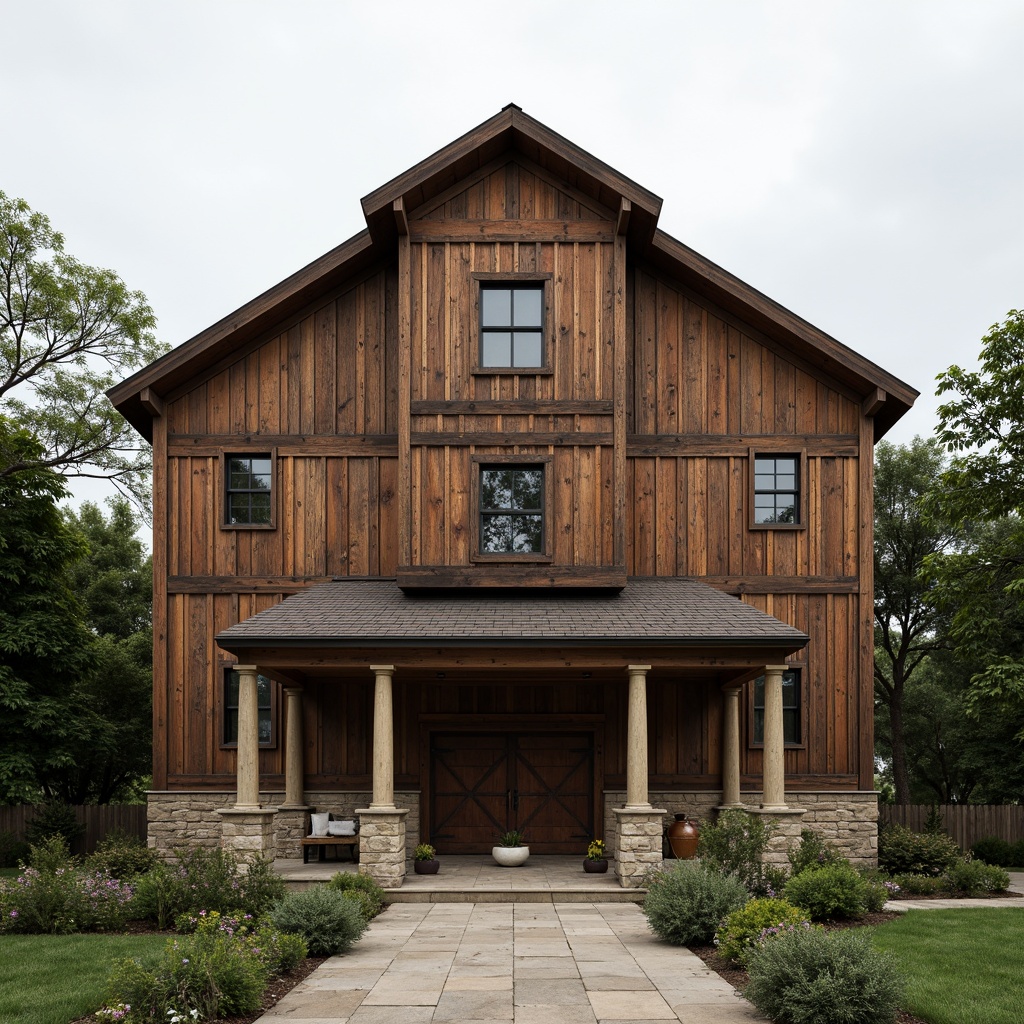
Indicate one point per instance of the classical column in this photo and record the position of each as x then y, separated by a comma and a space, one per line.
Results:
248, 740
774, 773
636, 742
293, 778
731, 749
383, 740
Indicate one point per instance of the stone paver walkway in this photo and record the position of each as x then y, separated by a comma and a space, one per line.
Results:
512, 963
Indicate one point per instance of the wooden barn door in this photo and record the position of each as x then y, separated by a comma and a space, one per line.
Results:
483, 784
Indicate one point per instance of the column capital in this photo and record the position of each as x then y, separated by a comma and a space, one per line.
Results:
254, 669
776, 668
637, 669
383, 670
293, 691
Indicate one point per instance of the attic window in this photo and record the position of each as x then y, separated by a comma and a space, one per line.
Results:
511, 325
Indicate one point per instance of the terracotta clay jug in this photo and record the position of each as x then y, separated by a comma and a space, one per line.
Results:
682, 838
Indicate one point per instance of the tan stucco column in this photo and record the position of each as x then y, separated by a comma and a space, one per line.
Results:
383, 740
773, 795
637, 798
731, 749
294, 790
248, 739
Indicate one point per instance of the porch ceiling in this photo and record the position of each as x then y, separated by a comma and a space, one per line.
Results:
651, 612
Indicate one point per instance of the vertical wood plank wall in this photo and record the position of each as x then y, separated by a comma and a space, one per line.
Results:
333, 393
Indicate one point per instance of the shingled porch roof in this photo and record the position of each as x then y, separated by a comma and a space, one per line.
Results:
650, 611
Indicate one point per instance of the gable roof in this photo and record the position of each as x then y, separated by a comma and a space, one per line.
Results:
658, 611
510, 130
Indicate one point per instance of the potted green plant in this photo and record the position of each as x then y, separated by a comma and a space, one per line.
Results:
511, 850
424, 862
595, 862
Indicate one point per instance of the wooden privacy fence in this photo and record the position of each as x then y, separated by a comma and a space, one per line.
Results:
966, 823
99, 819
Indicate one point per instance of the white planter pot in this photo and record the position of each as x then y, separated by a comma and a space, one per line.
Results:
510, 856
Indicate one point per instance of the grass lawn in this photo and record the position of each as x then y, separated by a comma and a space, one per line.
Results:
9, 872
962, 966
53, 979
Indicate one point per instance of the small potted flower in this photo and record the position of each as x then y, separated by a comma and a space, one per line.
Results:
595, 864
424, 862
511, 850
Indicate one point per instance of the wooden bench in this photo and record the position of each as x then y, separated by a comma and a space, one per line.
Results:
352, 842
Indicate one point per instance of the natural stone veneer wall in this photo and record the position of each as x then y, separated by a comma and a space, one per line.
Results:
847, 820
191, 818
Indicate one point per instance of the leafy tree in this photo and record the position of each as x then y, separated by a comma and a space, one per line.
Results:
907, 624
45, 648
114, 581
67, 333
982, 586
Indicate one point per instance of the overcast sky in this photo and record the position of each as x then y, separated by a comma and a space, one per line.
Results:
861, 163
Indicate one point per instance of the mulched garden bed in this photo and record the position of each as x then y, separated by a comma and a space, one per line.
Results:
738, 977
280, 987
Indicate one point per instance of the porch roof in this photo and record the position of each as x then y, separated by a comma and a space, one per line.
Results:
663, 611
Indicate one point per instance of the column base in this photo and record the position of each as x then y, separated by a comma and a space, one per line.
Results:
638, 835
289, 828
382, 845
247, 832
787, 832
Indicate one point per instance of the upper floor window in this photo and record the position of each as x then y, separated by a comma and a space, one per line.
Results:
249, 493
511, 510
264, 703
790, 707
776, 490
511, 324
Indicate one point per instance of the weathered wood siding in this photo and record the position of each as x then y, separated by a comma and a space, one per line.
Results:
651, 405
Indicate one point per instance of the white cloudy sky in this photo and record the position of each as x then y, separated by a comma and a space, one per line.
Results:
860, 162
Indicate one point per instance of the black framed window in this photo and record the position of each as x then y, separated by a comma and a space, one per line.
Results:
511, 325
777, 489
512, 509
249, 490
790, 707
264, 702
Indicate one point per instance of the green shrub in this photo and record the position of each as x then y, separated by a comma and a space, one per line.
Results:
122, 855
12, 849
735, 844
57, 897
901, 851
974, 877
812, 852
917, 885
54, 818
329, 920
828, 893
216, 974
687, 901
819, 977
1016, 855
993, 850
372, 900
206, 880
748, 926
876, 895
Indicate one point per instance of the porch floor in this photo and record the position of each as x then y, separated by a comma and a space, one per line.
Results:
477, 879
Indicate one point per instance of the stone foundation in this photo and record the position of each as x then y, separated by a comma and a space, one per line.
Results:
191, 818
847, 819
247, 833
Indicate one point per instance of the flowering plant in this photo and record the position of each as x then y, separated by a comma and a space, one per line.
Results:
595, 851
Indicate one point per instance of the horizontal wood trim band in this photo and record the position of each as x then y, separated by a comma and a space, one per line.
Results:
242, 584
524, 407
428, 576
510, 437
818, 445
286, 444
783, 584
511, 231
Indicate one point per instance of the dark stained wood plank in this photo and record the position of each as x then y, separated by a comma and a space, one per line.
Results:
431, 576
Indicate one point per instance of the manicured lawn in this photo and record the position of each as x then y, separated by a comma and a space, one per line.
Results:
53, 979
962, 966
